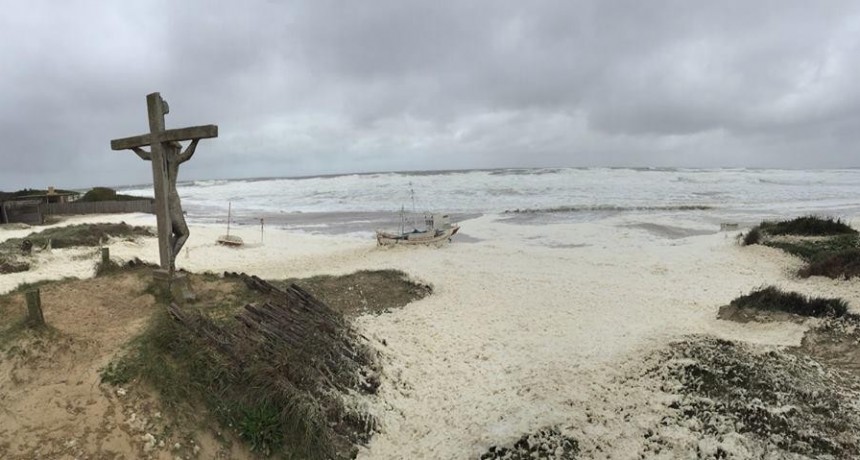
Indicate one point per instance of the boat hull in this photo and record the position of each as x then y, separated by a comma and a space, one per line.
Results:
416, 238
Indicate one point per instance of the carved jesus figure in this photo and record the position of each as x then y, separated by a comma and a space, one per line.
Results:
173, 158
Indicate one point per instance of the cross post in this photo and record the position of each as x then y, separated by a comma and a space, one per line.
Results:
157, 108
162, 183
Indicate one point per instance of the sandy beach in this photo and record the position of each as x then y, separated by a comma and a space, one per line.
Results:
529, 326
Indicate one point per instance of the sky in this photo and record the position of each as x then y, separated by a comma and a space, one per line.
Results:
325, 87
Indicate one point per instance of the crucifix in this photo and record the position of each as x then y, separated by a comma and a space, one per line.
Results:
165, 153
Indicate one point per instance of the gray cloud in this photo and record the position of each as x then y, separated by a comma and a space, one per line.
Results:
323, 86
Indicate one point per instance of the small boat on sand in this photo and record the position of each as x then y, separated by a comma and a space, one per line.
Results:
438, 229
228, 239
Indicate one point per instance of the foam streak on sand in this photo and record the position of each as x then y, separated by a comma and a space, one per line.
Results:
534, 325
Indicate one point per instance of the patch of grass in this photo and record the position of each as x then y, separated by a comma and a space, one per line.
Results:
752, 237
812, 250
116, 373
184, 372
545, 443
13, 332
799, 226
78, 235
266, 401
808, 226
261, 427
106, 268
788, 402
24, 287
842, 264
11, 266
365, 291
22, 329
773, 299
835, 255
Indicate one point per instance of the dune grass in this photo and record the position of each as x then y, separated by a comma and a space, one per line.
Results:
267, 402
774, 299
185, 372
811, 250
841, 264
808, 226
799, 226
90, 235
835, 252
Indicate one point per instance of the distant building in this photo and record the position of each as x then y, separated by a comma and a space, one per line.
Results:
24, 206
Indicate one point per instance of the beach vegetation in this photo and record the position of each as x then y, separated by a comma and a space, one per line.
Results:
811, 250
14, 323
752, 237
271, 402
771, 298
829, 246
90, 235
808, 226
839, 264
9, 265
787, 401
29, 192
799, 226
107, 194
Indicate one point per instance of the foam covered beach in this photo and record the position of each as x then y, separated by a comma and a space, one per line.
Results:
568, 327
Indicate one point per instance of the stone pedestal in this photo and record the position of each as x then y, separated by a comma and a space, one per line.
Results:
177, 288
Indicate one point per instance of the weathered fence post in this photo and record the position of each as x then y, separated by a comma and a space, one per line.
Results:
35, 318
105, 257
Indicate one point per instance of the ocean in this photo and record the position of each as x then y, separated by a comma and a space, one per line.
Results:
360, 203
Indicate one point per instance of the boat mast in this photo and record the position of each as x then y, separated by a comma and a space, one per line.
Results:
229, 209
414, 212
412, 191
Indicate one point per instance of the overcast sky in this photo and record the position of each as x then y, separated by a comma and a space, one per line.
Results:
316, 87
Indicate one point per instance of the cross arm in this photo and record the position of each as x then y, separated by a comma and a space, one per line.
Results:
181, 134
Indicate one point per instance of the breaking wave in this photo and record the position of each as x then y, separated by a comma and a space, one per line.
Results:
607, 208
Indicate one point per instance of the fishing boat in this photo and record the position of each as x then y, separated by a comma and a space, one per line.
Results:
228, 239
438, 229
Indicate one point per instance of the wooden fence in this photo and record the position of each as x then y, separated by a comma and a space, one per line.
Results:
98, 207
26, 212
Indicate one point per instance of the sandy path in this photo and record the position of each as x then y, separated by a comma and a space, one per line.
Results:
53, 403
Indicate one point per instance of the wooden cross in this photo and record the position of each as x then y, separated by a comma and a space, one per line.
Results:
156, 139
